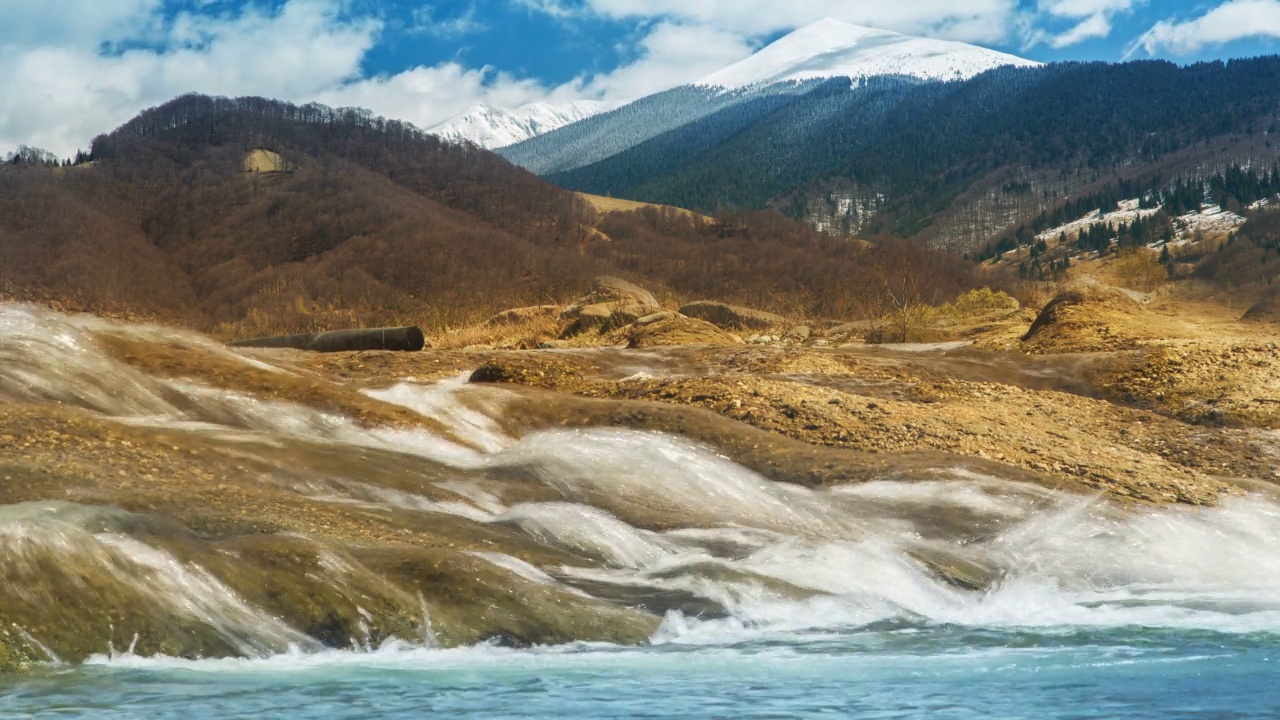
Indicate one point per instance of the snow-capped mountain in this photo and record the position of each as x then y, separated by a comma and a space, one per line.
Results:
832, 49
788, 68
495, 127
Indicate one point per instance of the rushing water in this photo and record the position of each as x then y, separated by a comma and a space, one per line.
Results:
899, 670
814, 603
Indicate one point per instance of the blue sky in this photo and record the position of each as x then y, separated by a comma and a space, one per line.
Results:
70, 69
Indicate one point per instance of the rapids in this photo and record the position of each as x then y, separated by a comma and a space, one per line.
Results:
897, 598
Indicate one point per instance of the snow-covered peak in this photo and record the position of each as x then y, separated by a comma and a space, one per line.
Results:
495, 127
832, 49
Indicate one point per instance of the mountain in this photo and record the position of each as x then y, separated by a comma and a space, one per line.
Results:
493, 127
833, 49
791, 67
251, 216
955, 164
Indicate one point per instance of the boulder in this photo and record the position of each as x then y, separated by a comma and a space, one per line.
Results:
895, 334
678, 330
731, 317
613, 291
604, 317
656, 317
849, 329
516, 316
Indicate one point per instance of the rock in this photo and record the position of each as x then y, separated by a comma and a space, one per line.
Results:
731, 317
678, 330
1266, 310
613, 291
606, 316
891, 335
850, 329
799, 333
552, 344
1089, 318
516, 316
656, 317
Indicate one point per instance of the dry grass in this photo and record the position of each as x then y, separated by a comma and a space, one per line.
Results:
527, 334
1138, 270
604, 205
265, 161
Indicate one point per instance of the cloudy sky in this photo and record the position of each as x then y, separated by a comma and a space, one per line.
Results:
70, 69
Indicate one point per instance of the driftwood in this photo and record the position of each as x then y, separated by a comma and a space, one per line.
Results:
408, 339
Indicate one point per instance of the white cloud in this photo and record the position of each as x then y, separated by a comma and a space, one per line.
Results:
425, 22
671, 54
1089, 20
26, 23
58, 96
1076, 9
1094, 26
63, 91
973, 20
1230, 21
427, 96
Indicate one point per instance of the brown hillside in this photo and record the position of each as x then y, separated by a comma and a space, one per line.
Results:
378, 224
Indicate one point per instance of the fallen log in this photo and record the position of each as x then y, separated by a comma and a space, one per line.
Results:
407, 339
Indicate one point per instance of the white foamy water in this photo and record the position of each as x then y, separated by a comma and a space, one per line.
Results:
589, 531
636, 474
39, 536
652, 510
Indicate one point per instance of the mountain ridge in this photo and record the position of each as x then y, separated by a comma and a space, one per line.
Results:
492, 127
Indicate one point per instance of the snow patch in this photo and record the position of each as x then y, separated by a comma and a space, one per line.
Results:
492, 127
833, 49
1125, 213
1211, 221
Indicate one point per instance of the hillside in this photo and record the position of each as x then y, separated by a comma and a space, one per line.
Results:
364, 221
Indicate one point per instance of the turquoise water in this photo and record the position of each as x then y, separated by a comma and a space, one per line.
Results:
876, 672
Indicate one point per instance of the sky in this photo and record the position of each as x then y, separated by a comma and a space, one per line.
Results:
71, 69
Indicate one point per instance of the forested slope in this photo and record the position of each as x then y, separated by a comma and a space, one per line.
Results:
370, 221
916, 149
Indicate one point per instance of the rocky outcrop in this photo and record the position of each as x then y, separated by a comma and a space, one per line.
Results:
656, 317
1089, 318
731, 317
605, 317
609, 290
678, 330
612, 303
